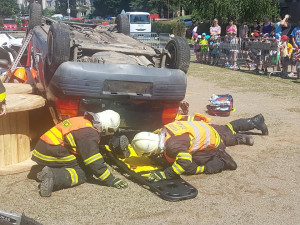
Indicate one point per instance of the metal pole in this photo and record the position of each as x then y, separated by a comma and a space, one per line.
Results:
179, 7
168, 9
69, 10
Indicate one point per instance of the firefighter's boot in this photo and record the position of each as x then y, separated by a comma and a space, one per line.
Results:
229, 163
244, 139
257, 122
46, 177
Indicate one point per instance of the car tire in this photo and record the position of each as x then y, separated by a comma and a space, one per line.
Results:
123, 24
35, 15
179, 55
58, 42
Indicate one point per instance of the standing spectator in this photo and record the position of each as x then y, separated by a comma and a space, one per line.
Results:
278, 29
267, 27
256, 27
197, 47
243, 30
203, 48
285, 54
231, 32
195, 29
215, 29
285, 25
296, 44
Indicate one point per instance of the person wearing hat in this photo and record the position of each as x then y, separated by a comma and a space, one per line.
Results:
71, 148
203, 48
286, 51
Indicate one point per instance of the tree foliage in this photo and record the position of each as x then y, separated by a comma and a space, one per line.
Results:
61, 7
110, 8
8, 8
238, 10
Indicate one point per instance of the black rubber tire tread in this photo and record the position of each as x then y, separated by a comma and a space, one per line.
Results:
60, 52
181, 59
35, 15
123, 25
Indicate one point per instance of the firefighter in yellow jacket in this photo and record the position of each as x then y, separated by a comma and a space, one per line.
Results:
191, 146
2, 99
73, 143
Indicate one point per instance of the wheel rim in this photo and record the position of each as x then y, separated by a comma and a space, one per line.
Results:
50, 48
171, 61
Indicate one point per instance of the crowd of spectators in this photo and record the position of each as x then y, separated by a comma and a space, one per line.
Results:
284, 57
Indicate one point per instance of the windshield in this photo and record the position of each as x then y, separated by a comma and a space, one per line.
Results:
139, 19
9, 22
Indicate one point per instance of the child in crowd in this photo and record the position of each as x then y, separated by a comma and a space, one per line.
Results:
297, 58
286, 50
213, 49
203, 48
196, 47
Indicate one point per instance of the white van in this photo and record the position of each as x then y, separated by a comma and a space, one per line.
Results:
139, 22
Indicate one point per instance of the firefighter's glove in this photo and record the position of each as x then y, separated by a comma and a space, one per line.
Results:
118, 183
157, 176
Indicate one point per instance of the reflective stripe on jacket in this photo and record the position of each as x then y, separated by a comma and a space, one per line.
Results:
204, 137
2, 92
57, 134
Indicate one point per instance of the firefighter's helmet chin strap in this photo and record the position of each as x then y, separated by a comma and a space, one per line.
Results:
161, 144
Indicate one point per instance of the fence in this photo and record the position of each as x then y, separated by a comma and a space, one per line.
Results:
243, 54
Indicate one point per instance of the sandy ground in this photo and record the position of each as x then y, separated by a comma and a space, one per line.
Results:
263, 190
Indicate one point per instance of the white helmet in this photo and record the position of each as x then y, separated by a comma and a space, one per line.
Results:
106, 122
146, 144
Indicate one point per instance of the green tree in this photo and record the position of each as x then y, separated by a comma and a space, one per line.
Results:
106, 8
61, 7
8, 8
239, 10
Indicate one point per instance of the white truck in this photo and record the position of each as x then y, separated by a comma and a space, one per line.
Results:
139, 22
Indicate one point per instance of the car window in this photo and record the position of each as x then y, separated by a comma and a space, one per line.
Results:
139, 19
9, 21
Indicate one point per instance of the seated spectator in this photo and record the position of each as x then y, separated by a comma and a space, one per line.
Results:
296, 44
285, 25
243, 30
215, 29
256, 27
267, 27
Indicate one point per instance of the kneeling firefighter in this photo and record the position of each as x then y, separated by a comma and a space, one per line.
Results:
71, 147
191, 147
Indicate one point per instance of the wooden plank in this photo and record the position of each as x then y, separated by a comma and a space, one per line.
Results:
23, 145
6, 141
12, 88
23, 102
13, 138
17, 168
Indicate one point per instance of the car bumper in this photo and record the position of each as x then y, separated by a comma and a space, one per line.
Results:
93, 80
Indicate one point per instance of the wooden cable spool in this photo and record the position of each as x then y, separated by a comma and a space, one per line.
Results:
14, 126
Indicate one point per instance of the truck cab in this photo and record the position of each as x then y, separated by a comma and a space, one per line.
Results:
139, 22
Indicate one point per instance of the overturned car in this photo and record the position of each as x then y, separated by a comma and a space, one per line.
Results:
87, 67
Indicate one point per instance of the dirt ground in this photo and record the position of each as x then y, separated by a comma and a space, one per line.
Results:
263, 190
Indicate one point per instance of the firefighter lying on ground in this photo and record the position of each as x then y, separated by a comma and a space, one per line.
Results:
193, 146
71, 147
2, 99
